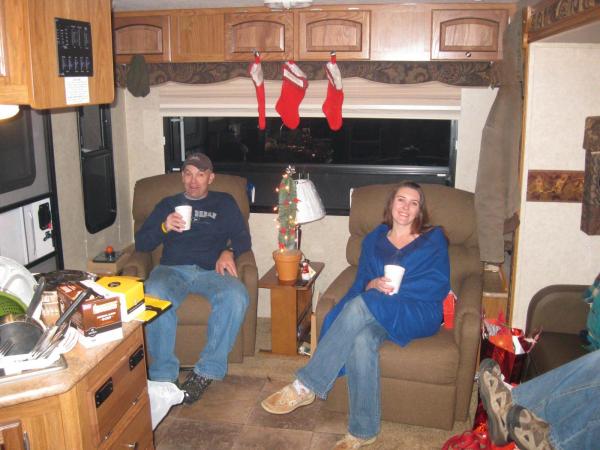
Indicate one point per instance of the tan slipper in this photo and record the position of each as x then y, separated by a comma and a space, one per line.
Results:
287, 400
350, 442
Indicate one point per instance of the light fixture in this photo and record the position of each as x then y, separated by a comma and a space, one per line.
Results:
309, 207
8, 111
287, 4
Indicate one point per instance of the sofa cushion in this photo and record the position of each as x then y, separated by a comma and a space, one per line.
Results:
553, 350
431, 360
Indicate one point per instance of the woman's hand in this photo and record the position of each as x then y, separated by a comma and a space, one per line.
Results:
381, 284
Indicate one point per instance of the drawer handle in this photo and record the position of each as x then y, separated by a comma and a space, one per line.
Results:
136, 357
134, 445
104, 392
468, 54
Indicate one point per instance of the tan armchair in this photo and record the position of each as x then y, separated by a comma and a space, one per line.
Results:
430, 381
193, 313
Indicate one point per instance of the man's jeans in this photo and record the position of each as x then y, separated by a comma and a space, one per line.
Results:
567, 398
228, 299
353, 342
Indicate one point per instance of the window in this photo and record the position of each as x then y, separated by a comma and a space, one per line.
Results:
97, 169
363, 151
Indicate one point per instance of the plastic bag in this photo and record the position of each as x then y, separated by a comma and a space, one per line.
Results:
163, 395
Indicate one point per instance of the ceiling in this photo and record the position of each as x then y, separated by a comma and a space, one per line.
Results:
140, 5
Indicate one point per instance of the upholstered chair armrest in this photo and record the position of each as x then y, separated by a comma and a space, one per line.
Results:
138, 265
248, 274
559, 309
467, 334
336, 290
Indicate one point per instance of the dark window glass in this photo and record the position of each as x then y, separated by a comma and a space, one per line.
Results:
17, 161
363, 151
97, 168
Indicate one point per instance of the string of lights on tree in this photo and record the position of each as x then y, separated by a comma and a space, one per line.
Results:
286, 209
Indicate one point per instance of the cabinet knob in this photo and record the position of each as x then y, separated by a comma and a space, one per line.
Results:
134, 445
468, 54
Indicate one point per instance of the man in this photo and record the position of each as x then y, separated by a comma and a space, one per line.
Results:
200, 261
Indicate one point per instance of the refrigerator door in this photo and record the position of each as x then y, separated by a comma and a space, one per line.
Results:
38, 229
13, 244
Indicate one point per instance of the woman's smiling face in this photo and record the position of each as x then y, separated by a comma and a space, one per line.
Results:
405, 206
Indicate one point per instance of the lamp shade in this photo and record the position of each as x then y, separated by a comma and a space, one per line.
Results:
310, 206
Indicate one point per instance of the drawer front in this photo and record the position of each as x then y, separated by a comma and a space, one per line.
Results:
116, 385
135, 431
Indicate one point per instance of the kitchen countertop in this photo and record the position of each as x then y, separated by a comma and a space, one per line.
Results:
80, 361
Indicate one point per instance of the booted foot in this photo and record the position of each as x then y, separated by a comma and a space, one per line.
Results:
287, 400
350, 442
496, 398
527, 430
193, 387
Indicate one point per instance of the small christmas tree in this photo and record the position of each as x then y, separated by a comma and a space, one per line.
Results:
287, 207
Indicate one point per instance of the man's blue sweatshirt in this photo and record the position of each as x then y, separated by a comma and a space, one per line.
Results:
216, 221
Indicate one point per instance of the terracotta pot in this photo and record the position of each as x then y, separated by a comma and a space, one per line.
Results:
287, 264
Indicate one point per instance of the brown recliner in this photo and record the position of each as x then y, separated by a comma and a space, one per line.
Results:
429, 382
194, 312
560, 312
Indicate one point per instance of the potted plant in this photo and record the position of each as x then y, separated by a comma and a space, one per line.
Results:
287, 256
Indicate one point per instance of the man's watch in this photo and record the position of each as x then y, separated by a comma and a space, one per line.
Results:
230, 248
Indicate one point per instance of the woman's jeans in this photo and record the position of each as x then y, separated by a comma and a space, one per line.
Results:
567, 398
228, 299
353, 342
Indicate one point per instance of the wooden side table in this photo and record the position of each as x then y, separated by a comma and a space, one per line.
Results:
291, 307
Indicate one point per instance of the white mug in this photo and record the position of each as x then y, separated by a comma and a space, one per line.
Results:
395, 274
185, 211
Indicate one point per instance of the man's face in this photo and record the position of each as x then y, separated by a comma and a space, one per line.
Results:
196, 181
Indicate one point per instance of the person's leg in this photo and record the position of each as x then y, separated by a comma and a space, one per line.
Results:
170, 283
229, 300
334, 349
362, 369
565, 399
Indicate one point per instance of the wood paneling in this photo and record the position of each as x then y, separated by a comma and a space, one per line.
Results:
197, 36
149, 36
346, 32
554, 186
269, 33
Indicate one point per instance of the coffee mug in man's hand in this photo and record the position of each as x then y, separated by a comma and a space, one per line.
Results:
185, 211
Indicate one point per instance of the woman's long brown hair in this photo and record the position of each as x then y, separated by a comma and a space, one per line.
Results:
421, 222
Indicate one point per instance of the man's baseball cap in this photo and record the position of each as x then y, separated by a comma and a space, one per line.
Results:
199, 160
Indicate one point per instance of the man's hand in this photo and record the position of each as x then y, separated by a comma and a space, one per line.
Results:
174, 222
226, 263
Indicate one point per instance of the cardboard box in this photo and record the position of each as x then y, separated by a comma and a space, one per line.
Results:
108, 267
98, 318
131, 293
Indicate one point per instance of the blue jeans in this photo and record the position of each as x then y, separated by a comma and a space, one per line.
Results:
353, 342
567, 398
228, 299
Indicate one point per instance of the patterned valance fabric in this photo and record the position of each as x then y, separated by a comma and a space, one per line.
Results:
452, 73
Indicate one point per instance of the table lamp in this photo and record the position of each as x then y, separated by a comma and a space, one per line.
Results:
310, 207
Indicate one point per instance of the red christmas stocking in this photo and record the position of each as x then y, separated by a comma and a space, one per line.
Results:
335, 95
293, 89
256, 73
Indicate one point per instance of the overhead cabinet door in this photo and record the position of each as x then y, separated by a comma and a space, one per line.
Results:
197, 37
269, 33
468, 34
142, 35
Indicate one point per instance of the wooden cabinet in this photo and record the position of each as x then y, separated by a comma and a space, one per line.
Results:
269, 33
197, 36
320, 32
468, 34
142, 35
29, 72
107, 408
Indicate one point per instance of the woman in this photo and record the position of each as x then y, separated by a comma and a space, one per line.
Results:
370, 313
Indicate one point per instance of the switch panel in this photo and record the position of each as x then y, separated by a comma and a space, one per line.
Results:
74, 44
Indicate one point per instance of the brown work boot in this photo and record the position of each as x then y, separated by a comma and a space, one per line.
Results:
350, 442
287, 400
527, 430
